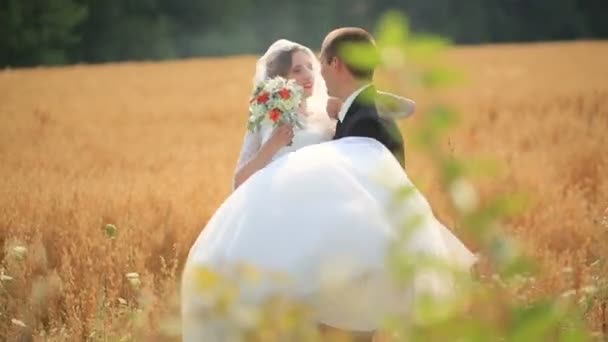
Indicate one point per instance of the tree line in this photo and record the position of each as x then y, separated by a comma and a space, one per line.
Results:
53, 32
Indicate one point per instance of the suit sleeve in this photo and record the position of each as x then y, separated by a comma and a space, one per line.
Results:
367, 127
388, 135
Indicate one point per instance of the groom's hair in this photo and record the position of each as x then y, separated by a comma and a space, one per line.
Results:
337, 40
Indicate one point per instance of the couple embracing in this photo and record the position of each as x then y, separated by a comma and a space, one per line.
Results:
316, 204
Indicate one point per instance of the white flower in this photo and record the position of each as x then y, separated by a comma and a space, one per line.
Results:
19, 252
569, 293
133, 278
18, 322
463, 195
589, 289
274, 83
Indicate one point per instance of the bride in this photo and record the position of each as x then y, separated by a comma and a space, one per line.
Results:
319, 213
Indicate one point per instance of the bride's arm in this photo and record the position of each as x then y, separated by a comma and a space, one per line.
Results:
394, 106
388, 104
255, 155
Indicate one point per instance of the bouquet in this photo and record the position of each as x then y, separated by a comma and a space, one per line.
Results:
275, 101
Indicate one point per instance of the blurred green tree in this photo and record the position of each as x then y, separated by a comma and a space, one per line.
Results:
70, 31
38, 32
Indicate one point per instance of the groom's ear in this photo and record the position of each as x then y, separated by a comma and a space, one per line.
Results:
337, 63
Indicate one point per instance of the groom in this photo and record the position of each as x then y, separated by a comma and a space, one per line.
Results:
358, 117
354, 85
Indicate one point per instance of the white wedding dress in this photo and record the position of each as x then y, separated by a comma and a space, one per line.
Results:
323, 214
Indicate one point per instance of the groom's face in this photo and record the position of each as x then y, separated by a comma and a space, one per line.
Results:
329, 74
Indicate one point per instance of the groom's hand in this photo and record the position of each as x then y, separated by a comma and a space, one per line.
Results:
334, 105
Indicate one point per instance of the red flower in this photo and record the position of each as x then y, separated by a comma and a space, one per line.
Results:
263, 98
285, 93
275, 115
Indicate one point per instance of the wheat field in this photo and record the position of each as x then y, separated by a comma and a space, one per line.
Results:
150, 148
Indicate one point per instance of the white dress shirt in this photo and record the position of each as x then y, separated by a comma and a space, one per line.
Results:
349, 101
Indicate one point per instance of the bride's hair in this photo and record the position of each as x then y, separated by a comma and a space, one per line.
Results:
281, 64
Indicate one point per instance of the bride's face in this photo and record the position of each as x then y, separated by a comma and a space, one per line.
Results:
302, 71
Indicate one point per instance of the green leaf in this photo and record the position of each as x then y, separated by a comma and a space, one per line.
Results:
575, 331
360, 56
442, 117
483, 167
111, 231
470, 330
393, 30
437, 121
536, 322
440, 77
405, 192
517, 266
510, 204
451, 170
501, 206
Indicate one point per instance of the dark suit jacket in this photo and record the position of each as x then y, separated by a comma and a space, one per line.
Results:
362, 120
